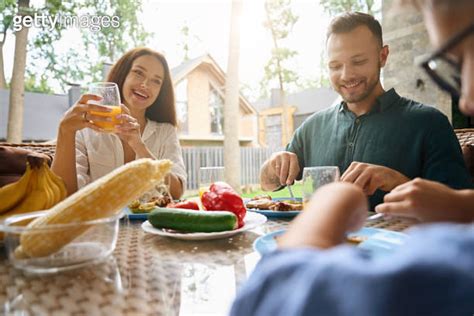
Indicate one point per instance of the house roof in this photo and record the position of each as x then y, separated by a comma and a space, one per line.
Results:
306, 101
179, 72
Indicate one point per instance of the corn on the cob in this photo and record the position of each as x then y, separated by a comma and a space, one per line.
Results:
100, 199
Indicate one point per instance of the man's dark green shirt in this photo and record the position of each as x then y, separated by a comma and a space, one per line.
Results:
414, 139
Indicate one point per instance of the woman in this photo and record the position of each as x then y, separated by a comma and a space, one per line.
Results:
85, 152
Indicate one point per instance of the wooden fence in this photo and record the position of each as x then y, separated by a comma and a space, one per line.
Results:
251, 159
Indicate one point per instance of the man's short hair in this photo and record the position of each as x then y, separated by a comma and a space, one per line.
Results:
348, 21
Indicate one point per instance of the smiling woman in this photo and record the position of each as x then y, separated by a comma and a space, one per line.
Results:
147, 128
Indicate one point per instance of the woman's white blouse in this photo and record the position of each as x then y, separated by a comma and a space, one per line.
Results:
99, 153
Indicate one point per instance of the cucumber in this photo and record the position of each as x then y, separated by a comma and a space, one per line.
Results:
192, 221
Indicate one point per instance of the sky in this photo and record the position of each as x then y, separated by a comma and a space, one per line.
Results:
209, 24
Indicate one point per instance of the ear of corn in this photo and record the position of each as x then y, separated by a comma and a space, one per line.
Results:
100, 199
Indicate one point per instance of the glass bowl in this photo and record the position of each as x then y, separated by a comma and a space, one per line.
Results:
94, 244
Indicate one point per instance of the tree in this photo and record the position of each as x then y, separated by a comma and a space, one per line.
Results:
15, 113
334, 7
280, 22
7, 11
231, 107
112, 42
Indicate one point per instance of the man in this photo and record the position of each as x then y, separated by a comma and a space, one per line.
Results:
431, 274
378, 139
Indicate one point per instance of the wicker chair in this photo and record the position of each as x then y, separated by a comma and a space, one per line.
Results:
466, 139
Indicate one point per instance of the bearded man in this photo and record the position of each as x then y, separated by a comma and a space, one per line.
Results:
378, 139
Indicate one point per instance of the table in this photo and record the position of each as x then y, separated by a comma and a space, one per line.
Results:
147, 275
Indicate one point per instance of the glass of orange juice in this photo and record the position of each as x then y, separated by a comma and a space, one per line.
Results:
209, 175
110, 97
315, 177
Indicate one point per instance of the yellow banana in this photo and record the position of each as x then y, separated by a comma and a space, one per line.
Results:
12, 194
35, 199
59, 183
45, 187
51, 185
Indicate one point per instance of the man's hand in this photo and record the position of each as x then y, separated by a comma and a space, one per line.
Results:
334, 210
429, 201
372, 177
281, 169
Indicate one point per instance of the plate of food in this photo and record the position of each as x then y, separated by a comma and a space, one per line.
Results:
139, 210
220, 220
275, 207
375, 241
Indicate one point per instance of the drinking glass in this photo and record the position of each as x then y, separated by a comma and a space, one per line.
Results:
110, 97
209, 175
315, 177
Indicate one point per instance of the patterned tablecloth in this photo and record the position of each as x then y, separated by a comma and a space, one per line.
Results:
147, 275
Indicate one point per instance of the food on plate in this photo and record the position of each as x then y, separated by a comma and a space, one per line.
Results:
266, 203
356, 239
102, 198
261, 197
137, 207
192, 221
283, 206
222, 196
186, 204
161, 200
145, 207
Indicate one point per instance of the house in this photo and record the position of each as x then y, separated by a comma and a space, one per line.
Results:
300, 106
199, 89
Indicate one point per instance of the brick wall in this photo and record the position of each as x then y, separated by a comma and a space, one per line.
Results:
408, 42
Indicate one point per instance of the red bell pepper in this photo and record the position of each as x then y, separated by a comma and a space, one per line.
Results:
190, 205
221, 197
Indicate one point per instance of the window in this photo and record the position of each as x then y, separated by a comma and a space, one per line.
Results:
216, 109
181, 93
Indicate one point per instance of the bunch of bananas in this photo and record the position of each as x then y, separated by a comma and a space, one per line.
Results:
38, 189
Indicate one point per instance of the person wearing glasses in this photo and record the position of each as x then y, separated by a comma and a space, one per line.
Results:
312, 273
378, 139
449, 66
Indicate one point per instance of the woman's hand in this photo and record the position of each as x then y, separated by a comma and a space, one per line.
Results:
428, 201
334, 210
129, 129
79, 115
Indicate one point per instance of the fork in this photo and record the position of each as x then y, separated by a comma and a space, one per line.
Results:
291, 192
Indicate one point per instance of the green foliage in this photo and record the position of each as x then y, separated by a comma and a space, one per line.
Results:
100, 43
280, 22
40, 85
334, 7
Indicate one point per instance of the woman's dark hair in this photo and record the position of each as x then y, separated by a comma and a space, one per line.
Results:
163, 109
348, 21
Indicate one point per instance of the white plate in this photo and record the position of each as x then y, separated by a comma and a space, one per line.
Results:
251, 221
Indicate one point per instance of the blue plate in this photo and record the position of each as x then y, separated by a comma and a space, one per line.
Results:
379, 242
276, 214
135, 216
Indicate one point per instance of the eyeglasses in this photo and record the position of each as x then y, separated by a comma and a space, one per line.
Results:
445, 71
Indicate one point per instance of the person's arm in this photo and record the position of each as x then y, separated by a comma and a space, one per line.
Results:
76, 118
370, 177
421, 278
301, 279
172, 151
429, 201
280, 169
334, 210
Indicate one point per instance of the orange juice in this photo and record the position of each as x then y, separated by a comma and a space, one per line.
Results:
109, 126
